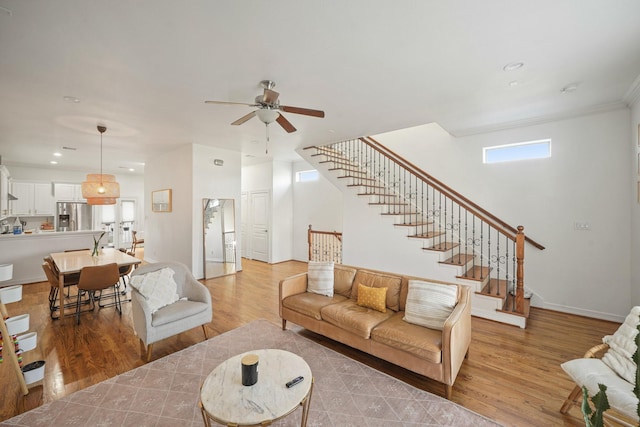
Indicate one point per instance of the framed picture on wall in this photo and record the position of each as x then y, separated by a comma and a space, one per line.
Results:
161, 200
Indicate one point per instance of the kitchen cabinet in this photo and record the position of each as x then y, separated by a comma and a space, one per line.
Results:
4, 191
33, 198
68, 192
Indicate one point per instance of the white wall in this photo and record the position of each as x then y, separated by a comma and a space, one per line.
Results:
169, 235
219, 182
282, 213
634, 152
317, 203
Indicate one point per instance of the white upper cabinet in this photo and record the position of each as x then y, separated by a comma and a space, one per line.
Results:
33, 198
68, 192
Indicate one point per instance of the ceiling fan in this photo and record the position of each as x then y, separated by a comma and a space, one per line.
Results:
269, 108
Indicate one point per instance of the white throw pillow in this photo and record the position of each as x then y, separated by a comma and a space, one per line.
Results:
320, 278
157, 287
622, 346
429, 304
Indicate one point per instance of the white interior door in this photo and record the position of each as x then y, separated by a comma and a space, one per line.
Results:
260, 224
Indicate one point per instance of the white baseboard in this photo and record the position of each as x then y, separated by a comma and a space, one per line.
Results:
583, 312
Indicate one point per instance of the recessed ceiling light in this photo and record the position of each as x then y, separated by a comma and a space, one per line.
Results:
71, 99
513, 66
132, 170
53, 162
572, 87
514, 83
56, 154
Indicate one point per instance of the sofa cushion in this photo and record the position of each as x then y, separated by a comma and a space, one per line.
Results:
343, 279
320, 278
379, 280
591, 372
430, 304
417, 340
177, 311
349, 316
310, 304
374, 298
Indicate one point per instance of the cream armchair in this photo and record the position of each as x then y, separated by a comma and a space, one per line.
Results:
191, 310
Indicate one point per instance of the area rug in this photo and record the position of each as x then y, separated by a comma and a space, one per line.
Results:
165, 392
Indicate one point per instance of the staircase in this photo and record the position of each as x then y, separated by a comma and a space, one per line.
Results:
475, 248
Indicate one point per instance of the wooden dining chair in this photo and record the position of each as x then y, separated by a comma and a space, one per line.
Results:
97, 278
136, 242
52, 278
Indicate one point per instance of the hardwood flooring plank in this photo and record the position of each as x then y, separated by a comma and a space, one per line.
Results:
512, 375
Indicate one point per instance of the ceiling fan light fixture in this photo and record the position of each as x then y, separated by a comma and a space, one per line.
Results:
267, 116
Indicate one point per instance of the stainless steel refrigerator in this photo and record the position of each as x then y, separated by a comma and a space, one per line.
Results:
74, 216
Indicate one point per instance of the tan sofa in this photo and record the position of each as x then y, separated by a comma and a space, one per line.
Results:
433, 353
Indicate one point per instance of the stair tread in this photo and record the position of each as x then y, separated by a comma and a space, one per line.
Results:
378, 194
413, 224
458, 259
357, 177
427, 235
387, 204
441, 247
350, 170
400, 213
365, 185
509, 304
477, 272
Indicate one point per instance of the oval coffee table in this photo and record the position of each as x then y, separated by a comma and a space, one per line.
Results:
225, 400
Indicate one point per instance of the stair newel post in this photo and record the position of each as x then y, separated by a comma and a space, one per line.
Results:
520, 270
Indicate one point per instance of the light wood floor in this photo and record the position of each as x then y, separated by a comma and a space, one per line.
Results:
512, 375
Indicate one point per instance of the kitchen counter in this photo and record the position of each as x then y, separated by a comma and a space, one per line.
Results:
49, 234
26, 251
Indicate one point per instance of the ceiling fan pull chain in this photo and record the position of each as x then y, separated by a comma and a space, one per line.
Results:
266, 146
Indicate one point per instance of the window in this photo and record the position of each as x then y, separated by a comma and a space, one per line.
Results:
520, 151
306, 176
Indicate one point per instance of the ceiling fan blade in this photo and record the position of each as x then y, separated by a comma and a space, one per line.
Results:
305, 111
227, 102
270, 96
286, 124
243, 119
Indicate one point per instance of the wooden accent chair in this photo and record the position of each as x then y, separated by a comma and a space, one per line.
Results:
192, 309
97, 278
136, 242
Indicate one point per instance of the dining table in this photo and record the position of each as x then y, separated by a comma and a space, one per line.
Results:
73, 262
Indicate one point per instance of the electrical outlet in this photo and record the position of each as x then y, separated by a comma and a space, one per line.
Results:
582, 226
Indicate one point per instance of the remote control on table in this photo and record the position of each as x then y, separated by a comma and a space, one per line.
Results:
294, 381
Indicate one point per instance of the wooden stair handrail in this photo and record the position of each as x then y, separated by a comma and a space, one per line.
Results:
480, 212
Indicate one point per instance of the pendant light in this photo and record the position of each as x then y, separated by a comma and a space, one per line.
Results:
100, 189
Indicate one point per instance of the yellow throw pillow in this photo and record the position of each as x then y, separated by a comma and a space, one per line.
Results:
374, 298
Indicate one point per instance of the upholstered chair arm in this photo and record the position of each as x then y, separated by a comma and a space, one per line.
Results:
291, 286
195, 291
456, 336
141, 314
